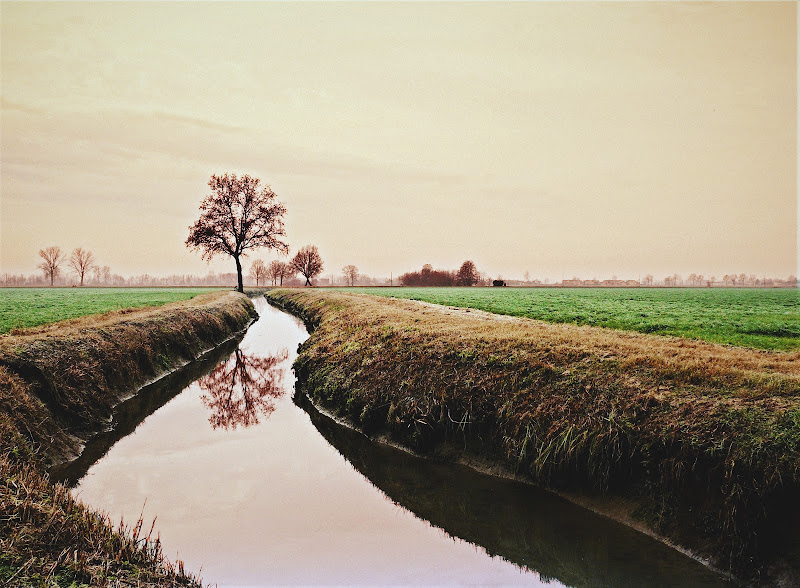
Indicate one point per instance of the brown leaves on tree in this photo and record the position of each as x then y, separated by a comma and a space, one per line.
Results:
307, 262
236, 217
243, 389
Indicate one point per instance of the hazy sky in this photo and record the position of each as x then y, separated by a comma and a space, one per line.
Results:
590, 139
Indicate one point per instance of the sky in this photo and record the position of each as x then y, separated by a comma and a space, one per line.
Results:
560, 139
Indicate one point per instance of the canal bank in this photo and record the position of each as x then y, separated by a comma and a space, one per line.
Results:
701, 439
289, 497
59, 386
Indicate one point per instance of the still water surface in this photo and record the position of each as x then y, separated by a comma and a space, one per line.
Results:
255, 489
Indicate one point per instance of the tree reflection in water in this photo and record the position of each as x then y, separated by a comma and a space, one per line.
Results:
242, 389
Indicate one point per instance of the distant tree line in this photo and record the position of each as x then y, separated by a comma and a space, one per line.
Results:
675, 280
467, 275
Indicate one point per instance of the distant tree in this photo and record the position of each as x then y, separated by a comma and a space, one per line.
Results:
236, 217
287, 272
53, 258
428, 277
258, 271
275, 271
81, 261
279, 270
527, 276
742, 279
467, 274
307, 262
350, 274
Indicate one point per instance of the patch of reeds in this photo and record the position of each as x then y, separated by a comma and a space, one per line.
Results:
705, 437
58, 386
47, 538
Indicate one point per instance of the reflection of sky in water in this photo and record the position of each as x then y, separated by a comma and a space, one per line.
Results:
274, 503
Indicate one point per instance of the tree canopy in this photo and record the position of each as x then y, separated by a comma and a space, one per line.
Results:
82, 262
350, 274
53, 257
258, 271
467, 274
236, 217
308, 262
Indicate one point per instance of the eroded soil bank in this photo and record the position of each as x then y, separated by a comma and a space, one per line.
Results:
59, 385
700, 443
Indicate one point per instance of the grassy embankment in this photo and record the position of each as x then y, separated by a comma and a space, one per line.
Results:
703, 438
763, 318
58, 386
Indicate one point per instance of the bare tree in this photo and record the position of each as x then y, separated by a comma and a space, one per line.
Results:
350, 274
236, 217
258, 271
53, 258
81, 261
288, 272
275, 271
307, 262
279, 270
467, 274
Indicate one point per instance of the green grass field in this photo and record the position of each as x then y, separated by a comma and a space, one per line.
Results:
764, 319
30, 307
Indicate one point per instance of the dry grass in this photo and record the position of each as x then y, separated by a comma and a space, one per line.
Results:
58, 386
49, 539
706, 437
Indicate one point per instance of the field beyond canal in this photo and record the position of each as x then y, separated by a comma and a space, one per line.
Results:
22, 308
701, 440
763, 318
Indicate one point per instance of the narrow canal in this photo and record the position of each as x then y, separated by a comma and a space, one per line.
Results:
255, 488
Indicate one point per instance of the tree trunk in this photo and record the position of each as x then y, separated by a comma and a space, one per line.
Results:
308, 282
240, 287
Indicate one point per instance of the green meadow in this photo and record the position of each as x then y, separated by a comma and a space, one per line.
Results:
759, 318
29, 307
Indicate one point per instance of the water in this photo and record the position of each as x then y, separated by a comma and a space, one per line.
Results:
254, 489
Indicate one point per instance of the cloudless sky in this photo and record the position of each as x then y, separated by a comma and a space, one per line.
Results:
558, 138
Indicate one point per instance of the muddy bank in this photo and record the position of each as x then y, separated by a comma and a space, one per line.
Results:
698, 443
59, 386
